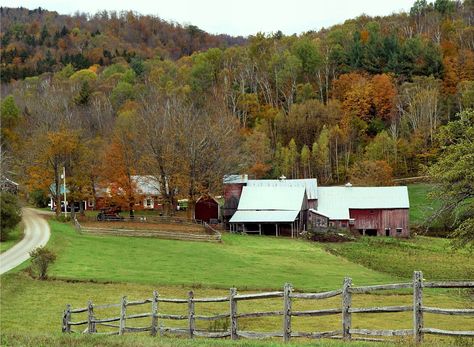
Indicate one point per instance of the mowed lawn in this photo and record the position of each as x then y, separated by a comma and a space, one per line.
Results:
137, 266
247, 262
31, 306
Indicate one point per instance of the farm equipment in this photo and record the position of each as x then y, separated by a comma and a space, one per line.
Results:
109, 214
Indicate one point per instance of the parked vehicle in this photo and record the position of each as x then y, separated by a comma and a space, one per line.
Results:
109, 214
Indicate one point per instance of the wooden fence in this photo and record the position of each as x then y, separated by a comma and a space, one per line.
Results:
212, 234
345, 311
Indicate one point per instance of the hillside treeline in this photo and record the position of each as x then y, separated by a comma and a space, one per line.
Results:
38, 41
360, 101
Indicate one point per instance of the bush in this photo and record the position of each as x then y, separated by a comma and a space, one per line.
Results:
39, 198
41, 258
10, 214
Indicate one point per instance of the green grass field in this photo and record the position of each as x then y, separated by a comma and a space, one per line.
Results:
421, 206
14, 237
399, 257
247, 262
41, 304
104, 268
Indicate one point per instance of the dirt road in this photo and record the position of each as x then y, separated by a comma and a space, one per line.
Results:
36, 234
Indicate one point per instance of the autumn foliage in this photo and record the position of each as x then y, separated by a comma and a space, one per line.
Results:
113, 95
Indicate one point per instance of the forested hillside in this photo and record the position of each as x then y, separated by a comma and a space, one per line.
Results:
37, 41
117, 95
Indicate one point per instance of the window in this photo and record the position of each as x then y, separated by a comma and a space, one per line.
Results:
344, 224
149, 202
331, 224
90, 203
399, 231
387, 231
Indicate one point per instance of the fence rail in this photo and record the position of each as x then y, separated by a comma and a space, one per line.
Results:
345, 311
212, 236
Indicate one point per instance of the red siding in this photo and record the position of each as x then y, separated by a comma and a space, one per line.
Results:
232, 193
234, 189
206, 209
381, 219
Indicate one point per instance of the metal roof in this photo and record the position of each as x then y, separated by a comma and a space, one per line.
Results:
147, 185
264, 216
271, 198
310, 184
335, 202
229, 179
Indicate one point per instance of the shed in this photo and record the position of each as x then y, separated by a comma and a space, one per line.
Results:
206, 209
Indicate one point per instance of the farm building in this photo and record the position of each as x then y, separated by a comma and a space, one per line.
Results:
147, 189
372, 211
253, 205
7, 185
277, 210
207, 209
233, 185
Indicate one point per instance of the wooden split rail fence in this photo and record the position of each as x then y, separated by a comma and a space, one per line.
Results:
212, 236
345, 311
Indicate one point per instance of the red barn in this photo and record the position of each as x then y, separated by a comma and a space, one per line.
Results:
206, 209
372, 211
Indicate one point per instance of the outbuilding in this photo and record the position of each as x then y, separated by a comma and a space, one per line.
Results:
372, 211
278, 210
207, 209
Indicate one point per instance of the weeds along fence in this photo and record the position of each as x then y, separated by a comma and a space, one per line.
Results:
209, 234
155, 318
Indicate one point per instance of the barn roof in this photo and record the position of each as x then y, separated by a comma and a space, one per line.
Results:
271, 198
264, 216
335, 202
261, 204
310, 184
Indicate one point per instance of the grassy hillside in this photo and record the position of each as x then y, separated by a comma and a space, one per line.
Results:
137, 266
241, 261
400, 257
421, 206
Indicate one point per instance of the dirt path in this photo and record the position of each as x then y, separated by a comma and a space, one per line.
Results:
36, 234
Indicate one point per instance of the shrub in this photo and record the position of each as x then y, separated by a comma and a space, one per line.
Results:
39, 198
41, 258
10, 214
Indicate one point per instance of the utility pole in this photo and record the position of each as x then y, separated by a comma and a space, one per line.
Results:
64, 188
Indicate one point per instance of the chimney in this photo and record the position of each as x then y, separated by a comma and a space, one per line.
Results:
348, 185
282, 178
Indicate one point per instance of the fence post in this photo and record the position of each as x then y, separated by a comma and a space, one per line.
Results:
191, 314
123, 314
346, 305
287, 289
90, 318
233, 314
154, 314
66, 319
417, 306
